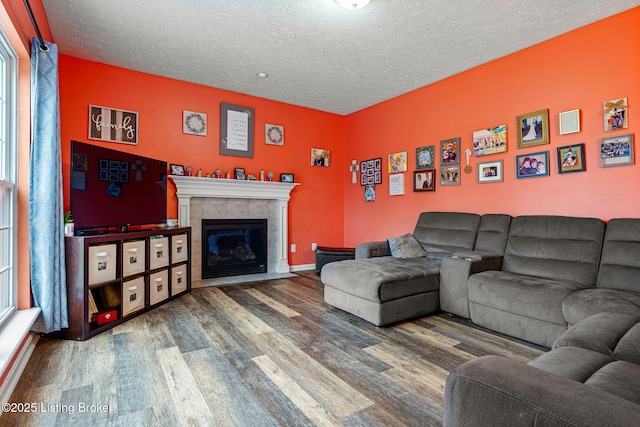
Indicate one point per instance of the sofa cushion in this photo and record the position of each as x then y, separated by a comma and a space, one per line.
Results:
585, 303
555, 247
383, 278
575, 363
533, 297
612, 334
620, 262
619, 378
492, 233
447, 230
405, 247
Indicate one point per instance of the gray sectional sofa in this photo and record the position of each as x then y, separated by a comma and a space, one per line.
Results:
570, 284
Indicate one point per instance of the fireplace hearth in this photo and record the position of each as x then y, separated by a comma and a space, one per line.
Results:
233, 246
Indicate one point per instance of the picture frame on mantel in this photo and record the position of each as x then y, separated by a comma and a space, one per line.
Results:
237, 125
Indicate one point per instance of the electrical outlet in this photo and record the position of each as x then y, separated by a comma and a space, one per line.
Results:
293, 247
314, 247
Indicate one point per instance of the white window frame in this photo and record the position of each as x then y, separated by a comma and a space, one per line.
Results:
8, 179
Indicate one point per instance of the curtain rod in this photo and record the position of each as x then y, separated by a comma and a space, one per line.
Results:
43, 46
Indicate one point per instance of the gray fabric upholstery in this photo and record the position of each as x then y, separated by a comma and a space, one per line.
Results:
533, 297
585, 303
555, 247
620, 263
536, 331
447, 230
492, 233
619, 378
613, 334
496, 391
383, 313
372, 249
454, 274
382, 278
405, 246
576, 363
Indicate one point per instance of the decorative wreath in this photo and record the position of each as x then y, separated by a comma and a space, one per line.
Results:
275, 135
198, 127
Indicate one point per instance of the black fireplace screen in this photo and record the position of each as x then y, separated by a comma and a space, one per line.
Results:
233, 246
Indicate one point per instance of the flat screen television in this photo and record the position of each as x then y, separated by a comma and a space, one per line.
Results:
110, 188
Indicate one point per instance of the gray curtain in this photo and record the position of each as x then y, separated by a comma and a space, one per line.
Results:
46, 209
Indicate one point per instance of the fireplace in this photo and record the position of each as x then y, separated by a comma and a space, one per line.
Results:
233, 246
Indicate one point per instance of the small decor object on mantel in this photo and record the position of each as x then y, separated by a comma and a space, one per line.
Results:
108, 124
490, 141
274, 134
286, 177
176, 169
240, 173
533, 129
270, 176
616, 151
194, 123
615, 115
189, 170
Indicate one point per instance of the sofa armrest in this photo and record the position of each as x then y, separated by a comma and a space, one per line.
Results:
454, 274
372, 249
475, 255
496, 391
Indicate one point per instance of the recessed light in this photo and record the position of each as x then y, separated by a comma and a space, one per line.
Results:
353, 4
262, 75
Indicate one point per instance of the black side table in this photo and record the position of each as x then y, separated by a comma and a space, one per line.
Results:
326, 254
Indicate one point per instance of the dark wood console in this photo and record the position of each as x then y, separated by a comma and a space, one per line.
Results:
112, 278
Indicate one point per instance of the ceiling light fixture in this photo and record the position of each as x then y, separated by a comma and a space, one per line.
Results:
262, 75
353, 4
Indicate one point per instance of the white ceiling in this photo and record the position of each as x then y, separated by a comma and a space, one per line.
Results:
317, 54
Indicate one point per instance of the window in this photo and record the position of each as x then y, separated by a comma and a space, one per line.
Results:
8, 178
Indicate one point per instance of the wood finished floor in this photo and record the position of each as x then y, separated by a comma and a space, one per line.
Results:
259, 354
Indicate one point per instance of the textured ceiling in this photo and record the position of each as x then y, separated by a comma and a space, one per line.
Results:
317, 54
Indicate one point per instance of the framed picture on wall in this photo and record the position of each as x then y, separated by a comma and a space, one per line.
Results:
616, 151
615, 114
450, 175
490, 172
532, 165
450, 152
425, 156
424, 180
533, 129
569, 122
490, 141
571, 159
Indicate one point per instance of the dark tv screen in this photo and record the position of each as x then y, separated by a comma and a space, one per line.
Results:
110, 188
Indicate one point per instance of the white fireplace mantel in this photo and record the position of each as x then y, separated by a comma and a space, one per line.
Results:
188, 187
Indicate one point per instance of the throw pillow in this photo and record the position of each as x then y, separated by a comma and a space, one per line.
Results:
405, 247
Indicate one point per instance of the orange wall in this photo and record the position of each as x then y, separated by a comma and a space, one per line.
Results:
159, 101
580, 69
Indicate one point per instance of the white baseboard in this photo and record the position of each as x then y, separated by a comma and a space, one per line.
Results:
11, 380
16, 345
302, 267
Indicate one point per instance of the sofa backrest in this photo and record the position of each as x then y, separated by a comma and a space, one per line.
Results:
620, 261
555, 247
447, 231
492, 233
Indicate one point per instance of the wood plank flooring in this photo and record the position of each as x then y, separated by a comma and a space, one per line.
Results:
258, 354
